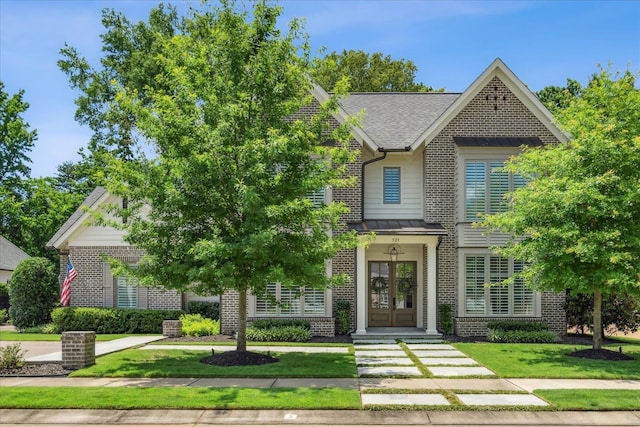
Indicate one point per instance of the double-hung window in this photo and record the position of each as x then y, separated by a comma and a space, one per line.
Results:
496, 300
291, 302
485, 187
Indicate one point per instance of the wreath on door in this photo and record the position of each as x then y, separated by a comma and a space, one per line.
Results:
379, 283
405, 285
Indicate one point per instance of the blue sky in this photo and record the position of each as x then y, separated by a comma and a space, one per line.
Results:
451, 42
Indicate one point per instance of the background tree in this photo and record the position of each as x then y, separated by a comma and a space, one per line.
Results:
16, 141
129, 61
557, 97
368, 72
620, 312
579, 213
226, 199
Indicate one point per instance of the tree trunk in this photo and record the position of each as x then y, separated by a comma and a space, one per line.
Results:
242, 320
597, 319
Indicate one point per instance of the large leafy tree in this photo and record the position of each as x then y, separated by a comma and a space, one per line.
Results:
368, 72
223, 204
579, 213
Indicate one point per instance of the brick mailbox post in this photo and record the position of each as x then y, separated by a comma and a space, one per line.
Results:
172, 328
78, 349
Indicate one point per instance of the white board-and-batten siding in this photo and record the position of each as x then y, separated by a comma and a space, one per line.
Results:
411, 204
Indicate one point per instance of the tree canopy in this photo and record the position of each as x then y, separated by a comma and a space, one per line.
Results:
578, 216
368, 72
224, 204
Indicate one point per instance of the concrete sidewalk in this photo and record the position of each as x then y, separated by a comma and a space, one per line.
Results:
266, 418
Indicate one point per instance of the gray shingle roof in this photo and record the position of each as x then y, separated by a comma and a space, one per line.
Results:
395, 120
95, 195
10, 255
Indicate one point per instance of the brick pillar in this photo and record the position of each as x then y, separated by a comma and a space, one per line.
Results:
172, 328
78, 349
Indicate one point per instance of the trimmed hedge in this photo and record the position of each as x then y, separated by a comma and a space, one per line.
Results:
33, 293
280, 323
519, 331
283, 333
517, 325
502, 336
208, 309
111, 320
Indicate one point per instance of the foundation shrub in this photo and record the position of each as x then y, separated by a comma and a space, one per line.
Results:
195, 325
111, 320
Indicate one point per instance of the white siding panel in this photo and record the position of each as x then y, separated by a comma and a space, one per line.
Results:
411, 204
472, 237
98, 236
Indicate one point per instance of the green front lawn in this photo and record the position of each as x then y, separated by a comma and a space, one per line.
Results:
179, 398
592, 400
550, 361
186, 363
17, 336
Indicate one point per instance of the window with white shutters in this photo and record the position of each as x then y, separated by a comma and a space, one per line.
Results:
291, 302
485, 187
497, 300
126, 292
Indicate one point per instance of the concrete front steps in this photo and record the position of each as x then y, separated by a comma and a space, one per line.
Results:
381, 334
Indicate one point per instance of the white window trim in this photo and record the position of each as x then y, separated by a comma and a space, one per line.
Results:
462, 290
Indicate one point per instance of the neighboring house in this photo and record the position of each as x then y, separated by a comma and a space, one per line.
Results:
426, 172
10, 257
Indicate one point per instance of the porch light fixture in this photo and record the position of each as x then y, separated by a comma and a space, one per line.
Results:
393, 254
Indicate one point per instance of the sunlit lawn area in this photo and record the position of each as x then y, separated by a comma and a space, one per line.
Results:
179, 398
551, 361
592, 400
186, 363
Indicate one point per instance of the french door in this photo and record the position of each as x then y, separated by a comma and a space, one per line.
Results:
392, 293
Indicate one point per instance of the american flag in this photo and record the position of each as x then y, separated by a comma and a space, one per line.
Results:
65, 296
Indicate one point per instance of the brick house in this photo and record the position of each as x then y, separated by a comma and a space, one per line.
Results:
426, 171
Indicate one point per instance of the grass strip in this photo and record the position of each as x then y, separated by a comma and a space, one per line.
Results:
135, 363
416, 361
178, 398
591, 400
255, 344
550, 361
17, 336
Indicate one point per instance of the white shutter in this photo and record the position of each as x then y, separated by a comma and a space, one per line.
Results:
474, 285
475, 189
498, 294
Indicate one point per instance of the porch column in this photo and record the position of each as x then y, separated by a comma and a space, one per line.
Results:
432, 303
361, 292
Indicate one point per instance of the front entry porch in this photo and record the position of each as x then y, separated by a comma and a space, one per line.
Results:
396, 286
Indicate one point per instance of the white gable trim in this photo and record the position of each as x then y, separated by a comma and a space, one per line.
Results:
62, 241
513, 83
341, 116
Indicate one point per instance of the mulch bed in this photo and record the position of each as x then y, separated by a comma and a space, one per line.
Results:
239, 358
37, 370
601, 354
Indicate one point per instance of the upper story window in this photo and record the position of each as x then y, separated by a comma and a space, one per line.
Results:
391, 185
485, 187
317, 197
